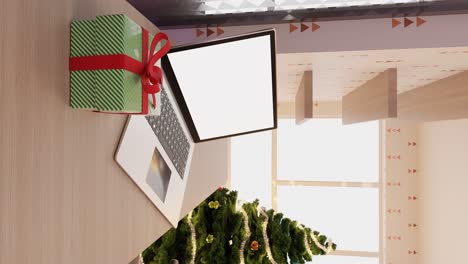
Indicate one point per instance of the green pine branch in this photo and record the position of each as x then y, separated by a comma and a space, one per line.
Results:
220, 231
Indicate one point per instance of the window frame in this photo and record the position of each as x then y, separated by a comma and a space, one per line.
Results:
378, 185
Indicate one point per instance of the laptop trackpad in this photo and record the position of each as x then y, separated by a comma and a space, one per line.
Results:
159, 175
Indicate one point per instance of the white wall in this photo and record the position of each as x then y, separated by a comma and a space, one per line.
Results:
443, 189
350, 35
399, 184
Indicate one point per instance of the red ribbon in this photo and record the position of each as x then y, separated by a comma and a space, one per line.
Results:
151, 75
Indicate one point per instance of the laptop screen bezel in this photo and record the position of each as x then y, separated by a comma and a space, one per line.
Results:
179, 97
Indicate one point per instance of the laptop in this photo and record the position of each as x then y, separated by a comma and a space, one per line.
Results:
211, 90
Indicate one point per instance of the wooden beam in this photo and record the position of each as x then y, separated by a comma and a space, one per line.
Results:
321, 109
304, 98
375, 99
327, 109
286, 110
444, 99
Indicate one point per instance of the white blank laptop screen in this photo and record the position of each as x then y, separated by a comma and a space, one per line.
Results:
228, 87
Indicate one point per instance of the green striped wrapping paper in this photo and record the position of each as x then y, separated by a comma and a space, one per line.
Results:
118, 90
108, 90
82, 39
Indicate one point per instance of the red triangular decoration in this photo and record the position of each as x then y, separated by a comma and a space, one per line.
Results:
304, 27
209, 32
292, 28
408, 22
420, 21
219, 31
315, 27
395, 22
200, 32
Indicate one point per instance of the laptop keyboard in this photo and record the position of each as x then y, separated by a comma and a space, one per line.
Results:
169, 132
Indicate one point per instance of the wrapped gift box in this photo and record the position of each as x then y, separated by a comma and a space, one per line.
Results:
109, 66
82, 88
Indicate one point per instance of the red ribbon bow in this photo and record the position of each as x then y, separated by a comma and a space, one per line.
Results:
151, 75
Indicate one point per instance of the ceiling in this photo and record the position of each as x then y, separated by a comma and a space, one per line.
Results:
192, 13
337, 73
257, 6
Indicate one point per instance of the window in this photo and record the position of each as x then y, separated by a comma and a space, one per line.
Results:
334, 259
348, 215
325, 150
251, 167
322, 174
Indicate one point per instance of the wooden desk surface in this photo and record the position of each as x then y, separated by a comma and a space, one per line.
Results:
63, 199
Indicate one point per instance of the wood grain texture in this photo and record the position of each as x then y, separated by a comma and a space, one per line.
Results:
63, 199
327, 109
375, 99
286, 110
444, 99
304, 98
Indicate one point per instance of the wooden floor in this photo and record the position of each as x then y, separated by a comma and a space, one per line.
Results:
63, 199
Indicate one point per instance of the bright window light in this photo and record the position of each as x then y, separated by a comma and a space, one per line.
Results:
326, 150
331, 259
251, 167
349, 216
318, 151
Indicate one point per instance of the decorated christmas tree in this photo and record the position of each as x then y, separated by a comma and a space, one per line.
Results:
224, 230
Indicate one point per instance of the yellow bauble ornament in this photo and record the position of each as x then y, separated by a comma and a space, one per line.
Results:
213, 204
209, 239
